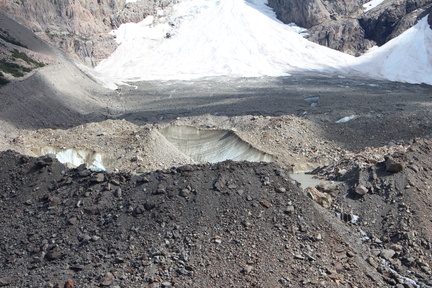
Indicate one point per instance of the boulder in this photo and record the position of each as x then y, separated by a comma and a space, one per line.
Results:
392, 165
323, 199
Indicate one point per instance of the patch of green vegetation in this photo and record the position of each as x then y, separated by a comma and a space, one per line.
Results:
6, 37
27, 59
3, 80
13, 68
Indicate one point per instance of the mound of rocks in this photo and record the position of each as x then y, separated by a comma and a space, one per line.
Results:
390, 198
234, 224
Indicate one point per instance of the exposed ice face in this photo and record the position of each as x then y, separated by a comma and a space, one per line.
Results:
212, 145
76, 157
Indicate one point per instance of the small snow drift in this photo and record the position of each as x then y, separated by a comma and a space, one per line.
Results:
212, 146
76, 157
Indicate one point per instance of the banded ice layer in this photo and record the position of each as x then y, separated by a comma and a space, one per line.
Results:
213, 146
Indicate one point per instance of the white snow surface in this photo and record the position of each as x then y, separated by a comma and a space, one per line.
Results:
213, 38
202, 38
372, 4
407, 58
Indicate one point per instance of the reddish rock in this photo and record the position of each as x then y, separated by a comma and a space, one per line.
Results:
266, 204
69, 284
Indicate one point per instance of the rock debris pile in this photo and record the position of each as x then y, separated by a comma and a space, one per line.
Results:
236, 224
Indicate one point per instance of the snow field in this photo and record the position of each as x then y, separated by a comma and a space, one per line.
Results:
201, 38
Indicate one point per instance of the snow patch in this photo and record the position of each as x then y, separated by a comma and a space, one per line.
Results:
372, 4
406, 58
346, 119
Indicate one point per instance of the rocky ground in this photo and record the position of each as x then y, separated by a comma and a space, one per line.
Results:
159, 218
233, 224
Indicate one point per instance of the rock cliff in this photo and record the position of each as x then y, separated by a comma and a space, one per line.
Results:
343, 25
309, 13
79, 27
392, 18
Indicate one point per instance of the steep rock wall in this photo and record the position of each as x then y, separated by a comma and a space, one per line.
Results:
309, 13
392, 18
344, 26
330, 23
79, 27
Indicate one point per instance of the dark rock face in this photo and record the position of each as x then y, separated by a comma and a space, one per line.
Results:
330, 23
344, 35
430, 20
342, 25
391, 19
304, 13
310, 13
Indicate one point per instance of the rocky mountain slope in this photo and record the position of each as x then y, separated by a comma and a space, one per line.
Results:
344, 26
79, 27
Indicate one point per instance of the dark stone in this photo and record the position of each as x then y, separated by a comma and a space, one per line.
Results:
44, 161
53, 255
149, 206
392, 165
76, 268
93, 210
